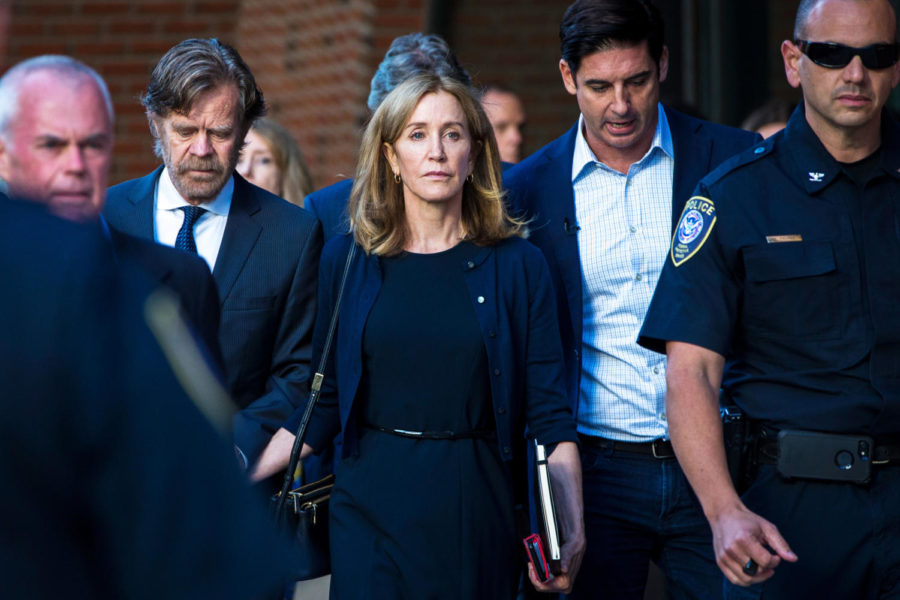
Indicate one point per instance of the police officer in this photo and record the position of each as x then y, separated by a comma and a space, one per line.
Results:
787, 261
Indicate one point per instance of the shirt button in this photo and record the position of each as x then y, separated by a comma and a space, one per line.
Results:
496, 371
480, 299
662, 416
470, 265
632, 229
656, 370
639, 277
759, 150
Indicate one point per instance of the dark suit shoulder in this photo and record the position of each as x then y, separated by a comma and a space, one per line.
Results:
151, 254
729, 140
279, 214
329, 205
521, 171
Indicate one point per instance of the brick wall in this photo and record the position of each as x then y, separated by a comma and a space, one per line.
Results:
123, 40
517, 44
314, 60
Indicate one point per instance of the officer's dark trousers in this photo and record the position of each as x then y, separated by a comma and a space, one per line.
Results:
636, 509
846, 536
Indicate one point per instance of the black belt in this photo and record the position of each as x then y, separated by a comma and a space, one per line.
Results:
656, 448
434, 435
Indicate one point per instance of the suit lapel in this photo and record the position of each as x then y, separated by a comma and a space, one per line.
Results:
241, 234
559, 215
693, 149
141, 197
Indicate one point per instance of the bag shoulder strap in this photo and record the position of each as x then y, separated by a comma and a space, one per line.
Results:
316, 386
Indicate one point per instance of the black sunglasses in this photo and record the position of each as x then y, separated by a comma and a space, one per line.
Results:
837, 56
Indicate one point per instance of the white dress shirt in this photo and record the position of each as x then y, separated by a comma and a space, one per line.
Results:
626, 227
209, 228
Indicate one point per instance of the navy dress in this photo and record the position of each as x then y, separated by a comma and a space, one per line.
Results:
414, 518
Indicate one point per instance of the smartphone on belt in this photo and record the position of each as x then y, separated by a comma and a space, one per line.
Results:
534, 548
824, 456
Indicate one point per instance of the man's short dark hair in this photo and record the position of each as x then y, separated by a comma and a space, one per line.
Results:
195, 66
591, 25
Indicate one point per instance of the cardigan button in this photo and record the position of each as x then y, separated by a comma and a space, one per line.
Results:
492, 333
480, 299
496, 371
506, 450
470, 265
501, 411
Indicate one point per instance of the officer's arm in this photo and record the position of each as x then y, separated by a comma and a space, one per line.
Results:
693, 377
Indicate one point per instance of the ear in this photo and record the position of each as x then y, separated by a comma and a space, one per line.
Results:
664, 64
568, 77
5, 162
391, 156
791, 55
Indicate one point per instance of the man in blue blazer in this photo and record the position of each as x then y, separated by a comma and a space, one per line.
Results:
263, 251
603, 200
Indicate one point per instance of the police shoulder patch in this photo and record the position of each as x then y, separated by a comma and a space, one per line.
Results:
696, 223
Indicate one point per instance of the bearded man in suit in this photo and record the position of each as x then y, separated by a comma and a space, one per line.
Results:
262, 250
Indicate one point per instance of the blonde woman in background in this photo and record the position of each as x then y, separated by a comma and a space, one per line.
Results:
272, 160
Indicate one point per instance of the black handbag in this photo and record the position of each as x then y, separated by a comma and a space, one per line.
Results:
303, 512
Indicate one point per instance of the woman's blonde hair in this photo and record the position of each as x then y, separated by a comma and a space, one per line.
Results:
295, 182
377, 213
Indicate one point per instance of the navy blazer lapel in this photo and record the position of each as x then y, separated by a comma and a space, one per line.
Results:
141, 197
241, 233
559, 214
693, 151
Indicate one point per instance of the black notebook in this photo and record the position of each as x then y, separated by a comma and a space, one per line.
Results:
546, 509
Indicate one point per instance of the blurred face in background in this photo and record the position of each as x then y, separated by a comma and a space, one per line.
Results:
59, 144
257, 164
507, 116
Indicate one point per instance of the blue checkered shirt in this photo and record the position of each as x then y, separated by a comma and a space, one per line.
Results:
626, 223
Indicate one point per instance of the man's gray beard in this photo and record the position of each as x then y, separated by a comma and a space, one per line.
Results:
161, 152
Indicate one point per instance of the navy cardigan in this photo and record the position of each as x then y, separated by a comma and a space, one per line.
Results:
509, 285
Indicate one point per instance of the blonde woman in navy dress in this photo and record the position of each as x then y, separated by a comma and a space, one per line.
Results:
447, 349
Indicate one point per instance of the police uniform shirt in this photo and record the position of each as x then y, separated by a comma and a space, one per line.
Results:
788, 267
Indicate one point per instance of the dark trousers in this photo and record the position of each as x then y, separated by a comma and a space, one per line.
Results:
638, 508
846, 536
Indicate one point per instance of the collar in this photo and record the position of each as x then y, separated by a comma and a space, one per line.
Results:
168, 198
584, 156
815, 168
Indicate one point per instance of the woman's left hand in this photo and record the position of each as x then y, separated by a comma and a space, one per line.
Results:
565, 475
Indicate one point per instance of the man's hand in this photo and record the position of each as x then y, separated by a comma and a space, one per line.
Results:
275, 456
740, 536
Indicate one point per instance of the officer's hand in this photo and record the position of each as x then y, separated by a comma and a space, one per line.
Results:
739, 536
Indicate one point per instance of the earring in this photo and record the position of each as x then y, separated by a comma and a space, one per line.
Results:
470, 178
397, 178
